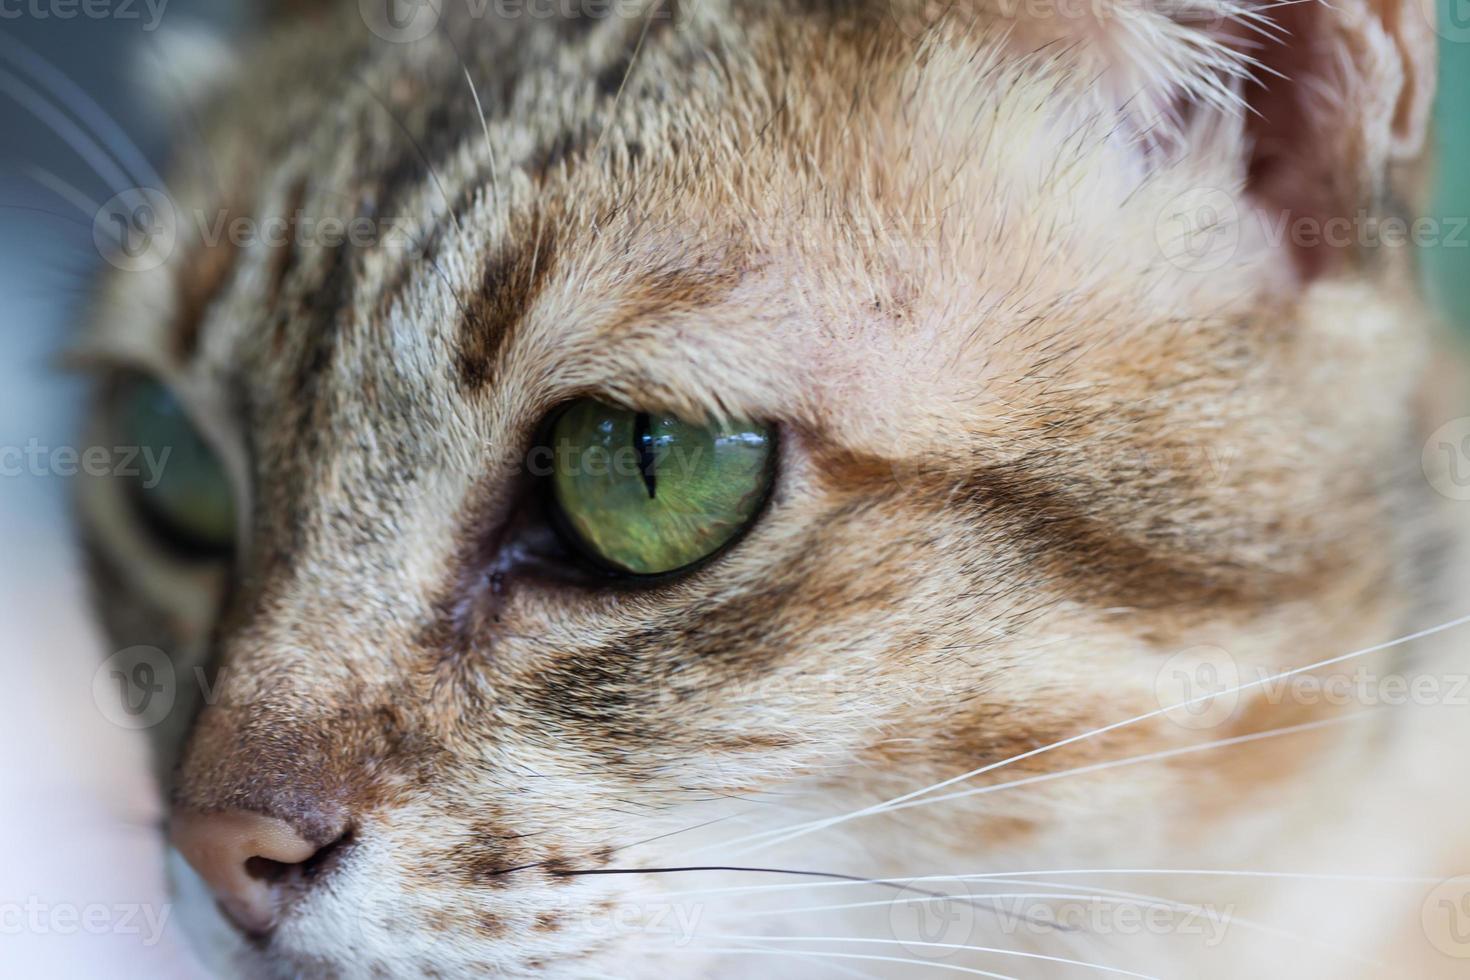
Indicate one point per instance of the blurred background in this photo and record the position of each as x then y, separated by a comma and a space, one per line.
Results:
77, 816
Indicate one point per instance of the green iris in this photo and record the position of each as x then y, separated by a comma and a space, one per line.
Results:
185, 496
646, 493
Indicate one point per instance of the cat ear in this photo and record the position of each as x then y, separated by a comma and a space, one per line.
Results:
1329, 102
1337, 109
1325, 104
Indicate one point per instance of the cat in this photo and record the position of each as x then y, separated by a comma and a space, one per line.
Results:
1069, 433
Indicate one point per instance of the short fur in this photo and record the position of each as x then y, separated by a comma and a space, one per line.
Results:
1024, 461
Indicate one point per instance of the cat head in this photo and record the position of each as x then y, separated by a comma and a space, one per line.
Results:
1039, 397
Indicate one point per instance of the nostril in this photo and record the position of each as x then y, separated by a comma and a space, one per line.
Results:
264, 869
275, 872
325, 858
250, 861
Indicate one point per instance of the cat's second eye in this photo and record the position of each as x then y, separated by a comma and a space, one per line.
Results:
186, 499
647, 493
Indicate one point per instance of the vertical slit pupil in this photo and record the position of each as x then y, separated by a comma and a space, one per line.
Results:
643, 442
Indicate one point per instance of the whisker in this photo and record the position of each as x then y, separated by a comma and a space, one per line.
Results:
994, 950
1118, 763
908, 961
900, 884
73, 97
612, 112
1054, 872
840, 968
418, 151
479, 109
69, 132
65, 190
1068, 891
1139, 759
68, 218
783, 834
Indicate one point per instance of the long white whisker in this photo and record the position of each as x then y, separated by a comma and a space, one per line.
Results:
953, 967
1138, 759
1076, 893
65, 190
1056, 872
817, 954
782, 834
995, 950
70, 133
114, 138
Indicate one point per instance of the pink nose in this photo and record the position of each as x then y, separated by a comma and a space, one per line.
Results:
247, 859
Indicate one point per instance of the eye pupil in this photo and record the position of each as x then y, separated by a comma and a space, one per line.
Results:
643, 442
643, 494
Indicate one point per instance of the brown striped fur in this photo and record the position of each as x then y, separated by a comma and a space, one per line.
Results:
1024, 460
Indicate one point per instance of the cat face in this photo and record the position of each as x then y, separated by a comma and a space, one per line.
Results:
1019, 455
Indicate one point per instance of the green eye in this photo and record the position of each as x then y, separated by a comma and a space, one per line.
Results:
179, 486
646, 493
